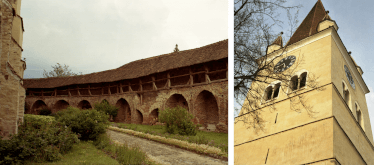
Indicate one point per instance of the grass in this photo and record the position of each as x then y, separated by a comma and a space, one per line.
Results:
219, 140
83, 153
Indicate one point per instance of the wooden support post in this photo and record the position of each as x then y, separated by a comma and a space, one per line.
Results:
191, 77
79, 93
42, 93
140, 85
109, 90
207, 80
120, 88
227, 75
69, 92
153, 83
55, 92
168, 83
130, 89
89, 90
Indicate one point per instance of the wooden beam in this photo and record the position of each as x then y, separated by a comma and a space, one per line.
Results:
79, 93
55, 92
109, 90
120, 88
42, 93
153, 83
207, 80
69, 92
89, 89
140, 85
168, 83
130, 89
191, 77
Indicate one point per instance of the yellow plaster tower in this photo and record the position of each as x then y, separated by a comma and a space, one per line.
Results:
12, 92
339, 131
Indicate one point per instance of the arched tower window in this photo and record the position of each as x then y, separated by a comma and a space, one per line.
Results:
269, 92
303, 80
360, 118
294, 83
298, 82
272, 91
346, 95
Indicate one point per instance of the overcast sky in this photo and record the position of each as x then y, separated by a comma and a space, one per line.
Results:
97, 35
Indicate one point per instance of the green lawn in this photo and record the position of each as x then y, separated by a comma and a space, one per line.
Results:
83, 153
219, 140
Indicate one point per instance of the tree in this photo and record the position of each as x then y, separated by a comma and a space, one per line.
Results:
254, 23
59, 71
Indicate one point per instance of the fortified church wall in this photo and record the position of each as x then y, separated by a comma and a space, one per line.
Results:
12, 92
195, 79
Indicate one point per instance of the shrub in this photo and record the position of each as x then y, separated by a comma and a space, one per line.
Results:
39, 138
105, 107
87, 124
178, 120
45, 112
127, 155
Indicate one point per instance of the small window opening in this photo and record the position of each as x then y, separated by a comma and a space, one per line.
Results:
269, 93
294, 83
303, 80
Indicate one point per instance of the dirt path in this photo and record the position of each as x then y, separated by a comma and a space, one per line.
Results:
162, 153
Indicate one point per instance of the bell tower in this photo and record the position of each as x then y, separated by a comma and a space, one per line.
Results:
318, 115
12, 92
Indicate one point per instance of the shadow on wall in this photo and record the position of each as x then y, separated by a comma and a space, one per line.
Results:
124, 112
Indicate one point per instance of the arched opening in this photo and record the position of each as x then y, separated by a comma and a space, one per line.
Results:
60, 105
84, 104
103, 101
268, 93
176, 100
37, 106
206, 108
360, 119
138, 117
294, 83
276, 90
346, 95
124, 112
154, 116
303, 79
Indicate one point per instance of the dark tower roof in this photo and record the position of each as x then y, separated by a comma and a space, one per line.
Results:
278, 41
309, 25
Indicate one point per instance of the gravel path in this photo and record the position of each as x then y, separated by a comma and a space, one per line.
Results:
164, 154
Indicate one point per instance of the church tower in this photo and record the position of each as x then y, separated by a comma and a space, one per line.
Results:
336, 129
12, 92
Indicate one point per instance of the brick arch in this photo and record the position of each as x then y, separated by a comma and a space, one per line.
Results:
60, 105
206, 108
153, 116
138, 119
176, 100
124, 111
37, 106
84, 104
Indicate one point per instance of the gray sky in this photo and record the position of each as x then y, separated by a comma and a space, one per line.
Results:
97, 35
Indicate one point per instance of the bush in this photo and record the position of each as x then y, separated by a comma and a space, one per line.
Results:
39, 138
105, 107
45, 112
87, 124
178, 120
127, 155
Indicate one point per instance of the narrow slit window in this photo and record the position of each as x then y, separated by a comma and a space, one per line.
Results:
294, 83
276, 90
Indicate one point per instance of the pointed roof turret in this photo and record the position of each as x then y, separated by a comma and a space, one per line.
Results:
309, 25
278, 41
277, 44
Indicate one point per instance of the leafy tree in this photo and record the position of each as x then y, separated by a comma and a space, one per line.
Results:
59, 71
254, 23
105, 107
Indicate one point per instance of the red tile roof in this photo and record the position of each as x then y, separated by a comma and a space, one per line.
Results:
139, 68
309, 25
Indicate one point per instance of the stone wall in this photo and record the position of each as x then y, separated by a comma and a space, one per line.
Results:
12, 92
207, 102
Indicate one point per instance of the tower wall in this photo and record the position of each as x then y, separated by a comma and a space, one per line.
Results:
11, 90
